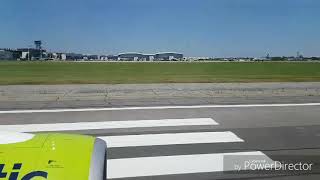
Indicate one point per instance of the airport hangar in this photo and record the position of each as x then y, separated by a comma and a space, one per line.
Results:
168, 56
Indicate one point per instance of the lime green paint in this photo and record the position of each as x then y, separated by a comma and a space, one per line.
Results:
69, 155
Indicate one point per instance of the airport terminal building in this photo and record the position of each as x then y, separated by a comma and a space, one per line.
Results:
168, 56
38, 53
9, 54
130, 57
150, 57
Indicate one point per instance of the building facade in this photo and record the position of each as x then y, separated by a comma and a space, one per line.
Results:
168, 56
74, 56
32, 54
130, 56
9, 54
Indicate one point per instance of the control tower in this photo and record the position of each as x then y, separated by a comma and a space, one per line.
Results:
38, 45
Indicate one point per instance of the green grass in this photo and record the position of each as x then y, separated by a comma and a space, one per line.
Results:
114, 73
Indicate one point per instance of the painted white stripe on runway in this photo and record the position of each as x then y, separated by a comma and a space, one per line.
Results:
107, 125
168, 165
154, 108
170, 139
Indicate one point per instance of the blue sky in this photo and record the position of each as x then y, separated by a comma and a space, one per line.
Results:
193, 27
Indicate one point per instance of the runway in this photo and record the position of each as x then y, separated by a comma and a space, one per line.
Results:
33, 97
188, 142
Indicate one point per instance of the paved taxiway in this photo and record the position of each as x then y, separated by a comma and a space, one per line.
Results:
187, 142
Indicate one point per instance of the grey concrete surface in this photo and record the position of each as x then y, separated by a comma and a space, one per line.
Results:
279, 132
74, 96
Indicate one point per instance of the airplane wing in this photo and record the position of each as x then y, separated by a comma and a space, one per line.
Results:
51, 156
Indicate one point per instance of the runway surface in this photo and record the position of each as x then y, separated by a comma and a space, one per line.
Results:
189, 142
119, 95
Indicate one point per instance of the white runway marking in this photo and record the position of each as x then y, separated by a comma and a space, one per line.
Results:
168, 165
154, 108
170, 139
107, 125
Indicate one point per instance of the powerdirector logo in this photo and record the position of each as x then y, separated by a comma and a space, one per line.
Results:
275, 165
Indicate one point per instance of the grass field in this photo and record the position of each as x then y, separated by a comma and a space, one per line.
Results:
113, 73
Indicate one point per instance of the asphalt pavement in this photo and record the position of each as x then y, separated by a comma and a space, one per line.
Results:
118, 95
190, 142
